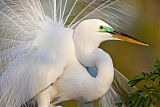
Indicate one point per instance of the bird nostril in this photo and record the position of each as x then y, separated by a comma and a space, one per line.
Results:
100, 27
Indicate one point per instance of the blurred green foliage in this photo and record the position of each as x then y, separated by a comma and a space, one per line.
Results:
149, 93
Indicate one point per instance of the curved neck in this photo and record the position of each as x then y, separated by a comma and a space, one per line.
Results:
105, 74
103, 62
104, 65
84, 47
88, 54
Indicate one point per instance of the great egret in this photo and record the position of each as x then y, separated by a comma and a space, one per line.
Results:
45, 56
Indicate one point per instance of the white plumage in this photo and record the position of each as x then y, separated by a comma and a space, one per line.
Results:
42, 42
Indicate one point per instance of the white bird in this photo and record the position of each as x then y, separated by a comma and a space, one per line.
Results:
46, 54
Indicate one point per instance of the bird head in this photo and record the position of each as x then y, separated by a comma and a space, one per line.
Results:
98, 30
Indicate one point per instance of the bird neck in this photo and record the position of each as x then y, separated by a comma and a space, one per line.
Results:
88, 54
105, 74
104, 65
84, 47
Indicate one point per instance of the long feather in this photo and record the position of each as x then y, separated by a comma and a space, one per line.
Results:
118, 89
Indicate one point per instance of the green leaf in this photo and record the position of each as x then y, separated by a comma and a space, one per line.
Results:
152, 76
136, 80
119, 104
157, 65
148, 101
149, 93
138, 101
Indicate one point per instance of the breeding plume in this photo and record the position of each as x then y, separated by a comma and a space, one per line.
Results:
49, 50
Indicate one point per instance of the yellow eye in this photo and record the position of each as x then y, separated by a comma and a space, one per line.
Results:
101, 27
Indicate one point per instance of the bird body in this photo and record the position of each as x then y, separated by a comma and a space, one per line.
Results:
75, 75
45, 49
94, 87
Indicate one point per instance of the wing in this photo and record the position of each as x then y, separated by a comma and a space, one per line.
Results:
118, 89
24, 65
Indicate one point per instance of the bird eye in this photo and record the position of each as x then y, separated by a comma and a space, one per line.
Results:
101, 27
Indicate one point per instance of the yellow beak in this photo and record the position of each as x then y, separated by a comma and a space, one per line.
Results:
125, 37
